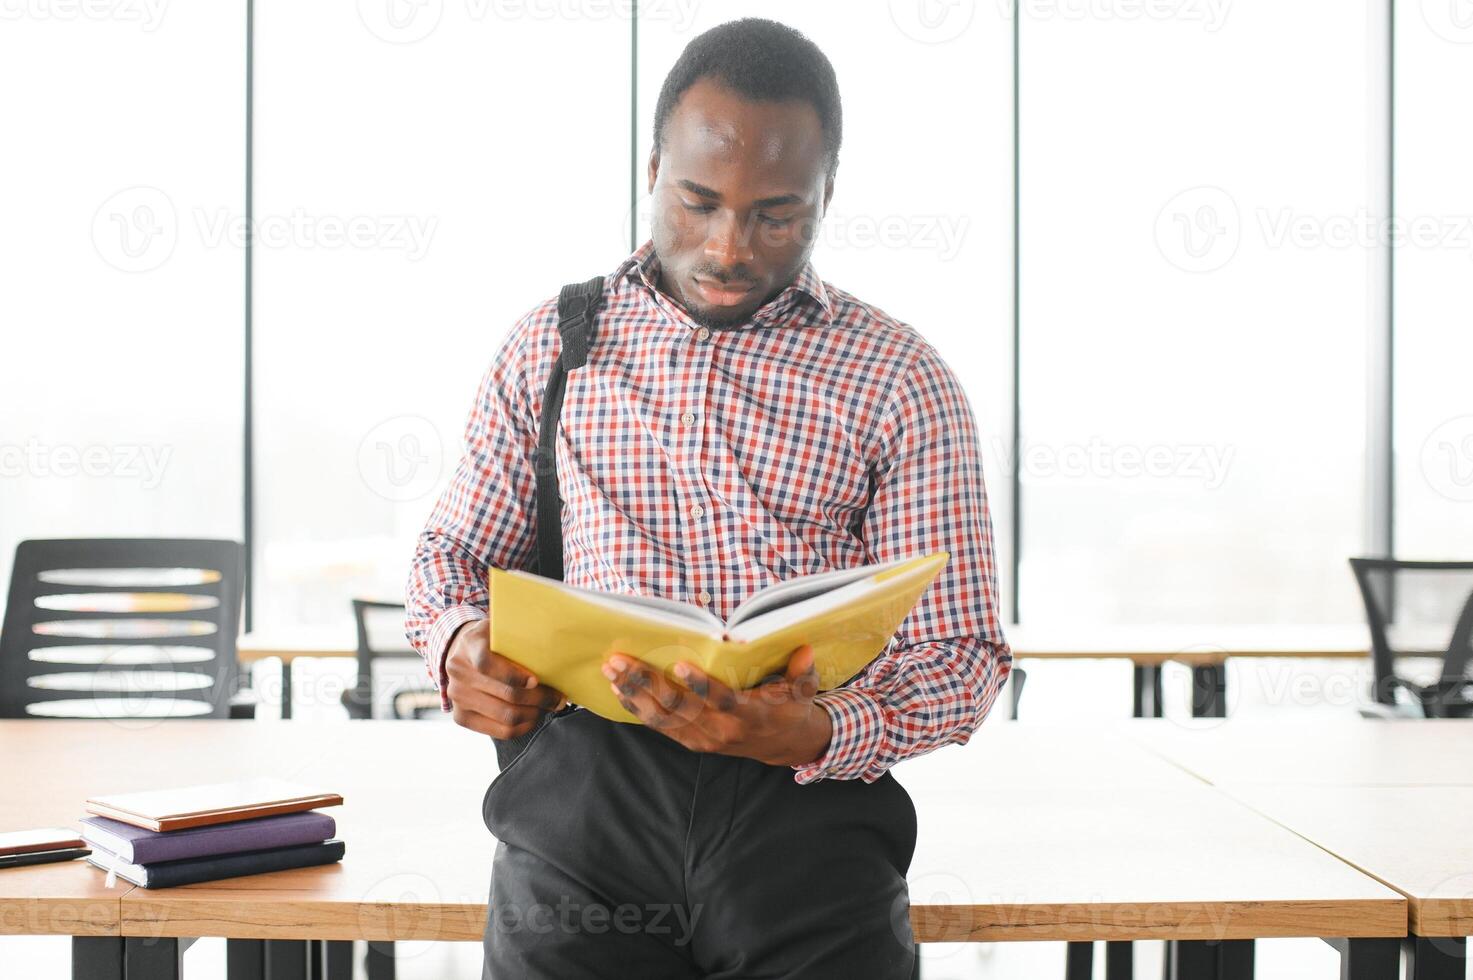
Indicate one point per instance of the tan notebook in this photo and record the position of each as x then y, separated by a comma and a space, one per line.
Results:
42, 839
210, 803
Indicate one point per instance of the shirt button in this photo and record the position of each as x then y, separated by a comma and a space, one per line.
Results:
689, 418
703, 334
703, 597
696, 510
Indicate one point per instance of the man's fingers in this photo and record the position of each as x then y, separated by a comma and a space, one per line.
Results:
508, 681
502, 712
802, 672
466, 718
712, 692
653, 698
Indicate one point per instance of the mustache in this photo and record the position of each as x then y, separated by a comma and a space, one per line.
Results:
741, 276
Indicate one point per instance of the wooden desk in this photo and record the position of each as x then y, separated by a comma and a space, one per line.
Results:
1393, 798
1084, 836
65, 898
289, 646
1204, 648
1189, 644
1030, 832
1351, 751
1417, 839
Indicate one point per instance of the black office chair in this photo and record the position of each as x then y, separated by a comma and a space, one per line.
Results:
1410, 607
380, 628
123, 628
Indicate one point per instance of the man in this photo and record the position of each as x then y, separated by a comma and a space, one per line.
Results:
739, 422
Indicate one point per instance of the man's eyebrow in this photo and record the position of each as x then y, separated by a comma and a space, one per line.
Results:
700, 189
777, 202
766, 202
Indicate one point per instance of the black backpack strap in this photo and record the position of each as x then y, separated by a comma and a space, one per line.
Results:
577, 304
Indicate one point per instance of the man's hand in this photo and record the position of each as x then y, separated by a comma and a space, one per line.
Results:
777, 722
490, 694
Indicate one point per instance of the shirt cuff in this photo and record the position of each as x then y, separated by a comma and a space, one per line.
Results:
859, 733
437, 644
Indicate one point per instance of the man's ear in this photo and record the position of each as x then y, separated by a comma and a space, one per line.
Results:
654, 167
828, 193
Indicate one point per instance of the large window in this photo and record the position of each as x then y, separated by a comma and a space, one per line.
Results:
1197, 324
1193, 310
121, 309
1434, 283
921, 220
421, 181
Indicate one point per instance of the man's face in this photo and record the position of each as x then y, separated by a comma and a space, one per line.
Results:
738, 190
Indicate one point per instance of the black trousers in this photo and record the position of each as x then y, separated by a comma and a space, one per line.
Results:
623, 854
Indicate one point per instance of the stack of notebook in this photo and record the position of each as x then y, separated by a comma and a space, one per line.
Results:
160, 838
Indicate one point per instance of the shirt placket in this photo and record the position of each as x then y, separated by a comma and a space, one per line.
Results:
694, 502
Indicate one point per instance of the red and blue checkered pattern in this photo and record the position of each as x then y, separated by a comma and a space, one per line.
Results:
702, 464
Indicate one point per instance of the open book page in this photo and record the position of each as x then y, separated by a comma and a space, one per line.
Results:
564, 633
669, 611
856, 587
796, 590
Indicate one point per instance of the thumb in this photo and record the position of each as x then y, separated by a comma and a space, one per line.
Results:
802, 673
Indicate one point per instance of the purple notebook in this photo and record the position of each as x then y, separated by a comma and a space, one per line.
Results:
138, 846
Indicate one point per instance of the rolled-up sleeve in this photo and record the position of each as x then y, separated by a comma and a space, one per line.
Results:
484, 517
943, 670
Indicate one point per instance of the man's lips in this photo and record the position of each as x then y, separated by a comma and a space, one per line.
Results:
722, 294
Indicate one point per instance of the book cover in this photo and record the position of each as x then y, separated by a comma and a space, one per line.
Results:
563, 634
168, 874
209, 803
42, 839
139, 846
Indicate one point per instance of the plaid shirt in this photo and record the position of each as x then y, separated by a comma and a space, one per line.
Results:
703, 464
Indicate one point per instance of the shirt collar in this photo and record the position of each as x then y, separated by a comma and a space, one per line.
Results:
643, 267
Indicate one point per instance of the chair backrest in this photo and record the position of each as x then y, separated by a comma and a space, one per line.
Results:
1417, 609
121, 628
380, 627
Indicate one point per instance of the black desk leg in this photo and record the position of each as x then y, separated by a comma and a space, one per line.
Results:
1208, 959
1209, 690
97, 958
1147, 701
1079, 961
1119, 961
1369, 959
286, 688
336, 960
329, 959
379, 963
286, 959
154, 958
1019, 677
245, 959
1439, 958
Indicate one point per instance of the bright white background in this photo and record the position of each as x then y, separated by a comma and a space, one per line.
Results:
1193, 304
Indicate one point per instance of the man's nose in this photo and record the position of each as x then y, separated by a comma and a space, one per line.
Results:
727, 243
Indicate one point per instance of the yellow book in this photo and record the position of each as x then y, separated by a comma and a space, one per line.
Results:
563, 633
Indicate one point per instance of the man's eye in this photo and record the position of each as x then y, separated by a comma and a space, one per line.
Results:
697, 208
774, 221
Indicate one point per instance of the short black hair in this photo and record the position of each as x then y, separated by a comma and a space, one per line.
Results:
763, 61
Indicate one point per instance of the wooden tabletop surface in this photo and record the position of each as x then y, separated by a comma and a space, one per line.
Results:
1182, 643
1029, 832
1417, 839
1208, 642
1064, 833
65, 898
1351, 750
